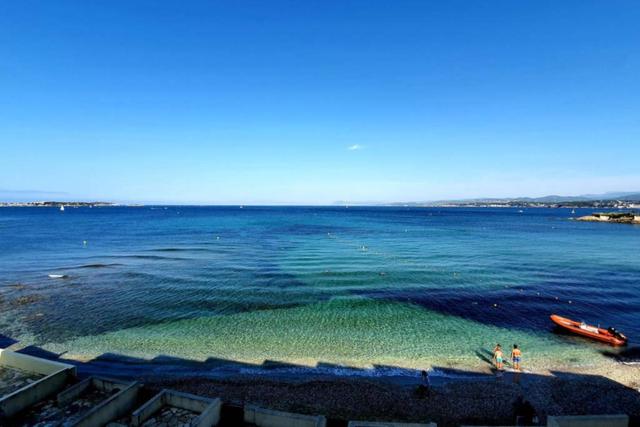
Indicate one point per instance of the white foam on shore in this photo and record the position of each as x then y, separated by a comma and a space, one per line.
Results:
330, 371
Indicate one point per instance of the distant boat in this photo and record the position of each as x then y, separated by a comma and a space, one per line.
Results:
573, 211
57, 276
61, 208
520, 211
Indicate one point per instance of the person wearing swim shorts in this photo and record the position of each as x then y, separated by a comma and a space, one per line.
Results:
516, 357
498, 356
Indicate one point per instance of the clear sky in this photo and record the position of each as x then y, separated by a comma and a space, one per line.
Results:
317, 101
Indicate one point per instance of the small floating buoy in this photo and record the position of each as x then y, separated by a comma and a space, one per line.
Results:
84, 242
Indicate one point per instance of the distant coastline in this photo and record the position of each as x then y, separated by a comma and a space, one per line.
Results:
630, 200
594, 204
55, 204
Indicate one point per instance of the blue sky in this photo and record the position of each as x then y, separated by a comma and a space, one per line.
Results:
317, 101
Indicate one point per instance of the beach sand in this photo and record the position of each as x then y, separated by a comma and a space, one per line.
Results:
456, 396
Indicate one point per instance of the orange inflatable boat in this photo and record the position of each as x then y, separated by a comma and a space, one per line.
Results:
610, 336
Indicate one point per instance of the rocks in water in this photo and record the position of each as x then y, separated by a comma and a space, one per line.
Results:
26, 299
619, 217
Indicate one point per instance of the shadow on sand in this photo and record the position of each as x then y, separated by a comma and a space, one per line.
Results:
380, 393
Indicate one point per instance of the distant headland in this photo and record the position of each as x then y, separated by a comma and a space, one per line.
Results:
55, 204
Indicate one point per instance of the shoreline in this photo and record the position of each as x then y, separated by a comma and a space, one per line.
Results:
626, 372
221, 367
461, 396
456, 395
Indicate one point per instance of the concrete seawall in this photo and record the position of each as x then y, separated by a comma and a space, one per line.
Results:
56, 376
208, 409
588, 421
270, 418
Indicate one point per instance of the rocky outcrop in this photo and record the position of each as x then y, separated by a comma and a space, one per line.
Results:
619, 217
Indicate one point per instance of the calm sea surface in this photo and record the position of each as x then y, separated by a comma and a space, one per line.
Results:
407, 287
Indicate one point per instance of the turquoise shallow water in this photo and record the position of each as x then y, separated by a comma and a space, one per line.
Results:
407, 287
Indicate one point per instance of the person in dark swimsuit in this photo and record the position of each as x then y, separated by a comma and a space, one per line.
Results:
516, 357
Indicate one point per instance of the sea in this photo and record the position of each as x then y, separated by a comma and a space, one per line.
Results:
340, 288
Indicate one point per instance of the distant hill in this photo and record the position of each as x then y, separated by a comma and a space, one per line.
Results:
633, 196
630, 196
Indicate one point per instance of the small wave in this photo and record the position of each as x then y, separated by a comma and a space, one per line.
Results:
88, 266
440, 373
147, 257
138, 274
181, 250
339, 371
154, 257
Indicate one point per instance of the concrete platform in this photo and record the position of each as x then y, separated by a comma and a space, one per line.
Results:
588, 421
52, 377
94, 401
12, 379
121, 401
269, 418
388, 424
170, 406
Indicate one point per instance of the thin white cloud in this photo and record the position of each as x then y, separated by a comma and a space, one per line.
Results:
355, 147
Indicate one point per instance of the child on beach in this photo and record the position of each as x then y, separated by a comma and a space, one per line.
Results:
497, 357
516, 356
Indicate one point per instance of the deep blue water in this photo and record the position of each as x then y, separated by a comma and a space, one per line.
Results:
145, 267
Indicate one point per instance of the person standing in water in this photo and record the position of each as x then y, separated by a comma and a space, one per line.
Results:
497, 356
516, 356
